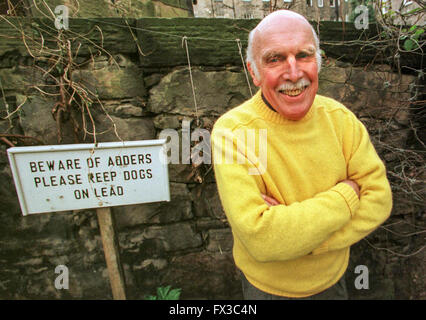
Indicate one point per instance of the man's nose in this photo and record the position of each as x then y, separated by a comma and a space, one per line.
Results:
292, 71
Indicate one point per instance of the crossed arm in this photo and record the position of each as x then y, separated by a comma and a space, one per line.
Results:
272, 202
331, 220
367, 177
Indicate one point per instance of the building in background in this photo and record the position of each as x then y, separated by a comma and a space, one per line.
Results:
334, 10
406, 7
331, 10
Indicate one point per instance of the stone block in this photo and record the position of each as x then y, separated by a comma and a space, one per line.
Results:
204, 275
126, 108
20, 79
166, 121
375, 94
112, 82
216, 92
208, 203
37, 121
333, 74
10, 211
205, 224
380, 95
106, 8
178, 209
161, 40
113, 128
220, 240
157, 264
181, 173
173, 237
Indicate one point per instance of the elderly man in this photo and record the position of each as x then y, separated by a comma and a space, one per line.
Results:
322, 187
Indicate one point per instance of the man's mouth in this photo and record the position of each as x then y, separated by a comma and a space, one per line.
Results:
293, 92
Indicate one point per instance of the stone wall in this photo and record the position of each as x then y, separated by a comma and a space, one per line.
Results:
186, 243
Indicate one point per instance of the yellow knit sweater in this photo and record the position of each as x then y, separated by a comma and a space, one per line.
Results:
300, 247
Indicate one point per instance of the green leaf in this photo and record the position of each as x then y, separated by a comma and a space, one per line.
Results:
174, 294
418, 33
414, 10
412, 28
162, 292
409, 44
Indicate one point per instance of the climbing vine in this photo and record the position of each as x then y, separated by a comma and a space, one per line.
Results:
55, 52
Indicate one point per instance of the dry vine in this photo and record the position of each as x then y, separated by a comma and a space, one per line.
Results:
401, 33
54, 52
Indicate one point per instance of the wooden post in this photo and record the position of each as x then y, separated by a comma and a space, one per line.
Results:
112, 253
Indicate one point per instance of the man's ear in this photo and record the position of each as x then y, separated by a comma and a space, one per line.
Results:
256, 81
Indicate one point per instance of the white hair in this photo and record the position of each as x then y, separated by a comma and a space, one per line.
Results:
250, 58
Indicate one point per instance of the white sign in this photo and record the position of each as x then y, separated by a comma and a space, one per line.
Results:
82, 176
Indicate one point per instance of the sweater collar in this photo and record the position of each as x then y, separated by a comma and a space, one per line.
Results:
266, 102
266, 111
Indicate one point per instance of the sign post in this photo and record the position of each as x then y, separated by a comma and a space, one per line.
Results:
87, 176
112, 253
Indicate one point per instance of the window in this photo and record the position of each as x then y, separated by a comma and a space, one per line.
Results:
288, 0
309, 3
266, 4
219, 12
332, 3
320, 3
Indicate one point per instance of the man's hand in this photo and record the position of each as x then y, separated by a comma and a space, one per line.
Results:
270, 201
353, 185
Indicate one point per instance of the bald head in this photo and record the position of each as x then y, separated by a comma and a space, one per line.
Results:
278, 19
279, 16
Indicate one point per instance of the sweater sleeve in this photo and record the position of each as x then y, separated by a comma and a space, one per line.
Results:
365, 168
281, 232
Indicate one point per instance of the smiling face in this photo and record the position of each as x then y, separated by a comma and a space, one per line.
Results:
287, 70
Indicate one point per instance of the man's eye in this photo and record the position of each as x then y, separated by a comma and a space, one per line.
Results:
273, 59
303, 55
